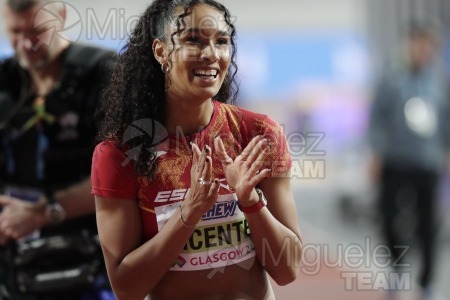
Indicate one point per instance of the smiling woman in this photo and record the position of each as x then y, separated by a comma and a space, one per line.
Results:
197, 57
181, 205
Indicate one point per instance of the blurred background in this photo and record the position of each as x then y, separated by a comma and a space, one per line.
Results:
312, 66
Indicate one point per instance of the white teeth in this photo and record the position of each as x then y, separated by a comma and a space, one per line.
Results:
206, 72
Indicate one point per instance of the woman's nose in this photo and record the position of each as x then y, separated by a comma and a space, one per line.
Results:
209, 52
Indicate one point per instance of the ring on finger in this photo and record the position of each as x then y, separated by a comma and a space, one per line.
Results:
254, 171
202, 181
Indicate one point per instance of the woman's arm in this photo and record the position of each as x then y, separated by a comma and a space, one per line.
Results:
134, 269
275, 231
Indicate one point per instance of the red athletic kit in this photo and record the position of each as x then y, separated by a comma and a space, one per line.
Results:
222, 237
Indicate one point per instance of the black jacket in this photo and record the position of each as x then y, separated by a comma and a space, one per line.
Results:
55, 154
51, 155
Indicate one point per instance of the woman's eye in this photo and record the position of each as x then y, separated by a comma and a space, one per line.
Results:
193, 39
222, 41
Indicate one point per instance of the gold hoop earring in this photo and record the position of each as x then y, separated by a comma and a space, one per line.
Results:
163, 69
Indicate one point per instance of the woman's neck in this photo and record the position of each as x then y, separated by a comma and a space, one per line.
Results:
188, 116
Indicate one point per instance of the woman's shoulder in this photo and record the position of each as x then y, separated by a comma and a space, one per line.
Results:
108, 145
113, 156
112, 172
110, 148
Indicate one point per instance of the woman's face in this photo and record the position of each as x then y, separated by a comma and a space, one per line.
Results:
201, 56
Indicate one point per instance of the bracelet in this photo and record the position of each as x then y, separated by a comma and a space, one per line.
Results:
182, 219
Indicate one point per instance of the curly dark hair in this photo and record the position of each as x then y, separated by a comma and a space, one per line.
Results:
137, 87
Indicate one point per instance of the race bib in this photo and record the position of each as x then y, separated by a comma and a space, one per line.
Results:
221, 238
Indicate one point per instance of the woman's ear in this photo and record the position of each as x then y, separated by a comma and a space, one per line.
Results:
158, 48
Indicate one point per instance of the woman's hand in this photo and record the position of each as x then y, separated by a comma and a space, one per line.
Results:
204, 190
244, 173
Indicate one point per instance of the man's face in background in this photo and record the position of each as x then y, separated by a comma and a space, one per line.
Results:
422, 49
32, 33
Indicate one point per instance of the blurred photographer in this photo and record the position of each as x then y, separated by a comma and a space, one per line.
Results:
48, 93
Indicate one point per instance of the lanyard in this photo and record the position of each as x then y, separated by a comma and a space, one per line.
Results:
40, 115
